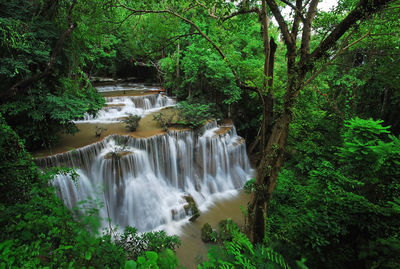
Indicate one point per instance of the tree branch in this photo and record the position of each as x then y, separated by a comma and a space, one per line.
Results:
170, 41
296, 9
239, 12
296, 21
214, 45
20, 85
234, 14
363, 9
287, 37
341, 50
305, 39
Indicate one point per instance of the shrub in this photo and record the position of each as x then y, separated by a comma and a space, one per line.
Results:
195, 115
164, 120
132, 122
135, 244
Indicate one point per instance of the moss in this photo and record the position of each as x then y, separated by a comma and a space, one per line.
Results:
207, 233
191, 208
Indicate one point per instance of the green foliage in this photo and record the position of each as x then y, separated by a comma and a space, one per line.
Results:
238, 252
337, 203
249, 185
165, 120
132, 122
135, 244
194, 114
150, 259
29, 31
43, 233
208, 234
17, 173
204, 74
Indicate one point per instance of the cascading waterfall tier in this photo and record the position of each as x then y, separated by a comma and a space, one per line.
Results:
123, 106
127, 86
142, 181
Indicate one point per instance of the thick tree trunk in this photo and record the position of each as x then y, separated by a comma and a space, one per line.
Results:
272, 159
267, 173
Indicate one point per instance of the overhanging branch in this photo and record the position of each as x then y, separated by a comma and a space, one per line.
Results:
20, 85
363, 9
213, 44
341, 50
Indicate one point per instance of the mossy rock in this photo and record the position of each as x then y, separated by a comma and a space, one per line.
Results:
191, 208
207, 233
116, 155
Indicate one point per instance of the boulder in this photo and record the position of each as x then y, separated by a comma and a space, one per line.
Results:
191, 208
207, 233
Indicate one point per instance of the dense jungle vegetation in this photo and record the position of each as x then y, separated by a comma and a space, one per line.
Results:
315, 93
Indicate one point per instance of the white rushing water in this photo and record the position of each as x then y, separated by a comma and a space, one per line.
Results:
122, 106
143, 185
142, 182
127, 87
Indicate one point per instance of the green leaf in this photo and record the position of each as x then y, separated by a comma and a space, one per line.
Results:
130, 264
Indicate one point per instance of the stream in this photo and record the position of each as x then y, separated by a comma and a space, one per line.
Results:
143, 178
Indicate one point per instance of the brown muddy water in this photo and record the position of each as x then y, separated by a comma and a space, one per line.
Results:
87, 134
193, 250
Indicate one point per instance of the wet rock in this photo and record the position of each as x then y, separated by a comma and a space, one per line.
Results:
116, 155
99, 130
239, 141
191, 208
222, 130
207, 233
174, 214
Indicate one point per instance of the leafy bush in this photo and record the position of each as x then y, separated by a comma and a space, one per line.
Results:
194, 114
249, 186
132, 122
150, 259
238, 252
208, 234
17, 172
339, 205
165, 120
135, 244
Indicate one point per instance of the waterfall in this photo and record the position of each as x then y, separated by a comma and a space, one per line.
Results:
122, 106
142, 181
125, 86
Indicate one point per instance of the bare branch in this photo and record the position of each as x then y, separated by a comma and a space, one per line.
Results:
305, 39
296, 9
287, 37
296, 21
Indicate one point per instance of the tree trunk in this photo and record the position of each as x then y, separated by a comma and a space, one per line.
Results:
272, 157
